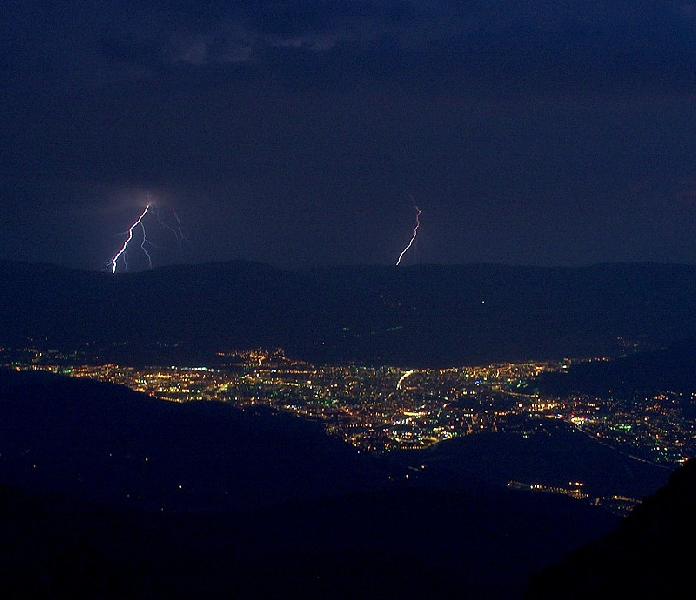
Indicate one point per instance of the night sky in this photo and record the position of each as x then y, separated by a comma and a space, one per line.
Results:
299, 133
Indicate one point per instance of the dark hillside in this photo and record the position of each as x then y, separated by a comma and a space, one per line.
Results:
650, 555
425, 315
268, 506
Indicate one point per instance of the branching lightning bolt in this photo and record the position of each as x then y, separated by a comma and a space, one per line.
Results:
413, 237
173, 224
179, 228
129, 237
176, 230
142, 244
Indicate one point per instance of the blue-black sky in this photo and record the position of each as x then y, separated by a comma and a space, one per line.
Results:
295, 132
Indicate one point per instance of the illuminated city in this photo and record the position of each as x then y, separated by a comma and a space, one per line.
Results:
328, 299
387, 409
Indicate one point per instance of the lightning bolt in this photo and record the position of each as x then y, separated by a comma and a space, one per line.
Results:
180, 229
413, 237
129, 237
142, 245
176, 230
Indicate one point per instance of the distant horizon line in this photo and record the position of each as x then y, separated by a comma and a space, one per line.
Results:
387, 266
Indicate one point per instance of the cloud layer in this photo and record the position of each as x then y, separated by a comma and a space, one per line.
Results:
543, 132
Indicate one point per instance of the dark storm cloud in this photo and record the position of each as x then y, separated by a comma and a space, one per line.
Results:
530, 131
598, 43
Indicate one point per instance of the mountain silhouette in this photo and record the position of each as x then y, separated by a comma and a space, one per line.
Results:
418, 316
268, 506
649, 555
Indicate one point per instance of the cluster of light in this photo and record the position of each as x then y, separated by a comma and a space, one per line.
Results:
403, 377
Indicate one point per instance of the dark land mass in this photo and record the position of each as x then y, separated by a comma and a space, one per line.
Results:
649, 556
554, 455
414, 316
268, 507
105, 443
672, 368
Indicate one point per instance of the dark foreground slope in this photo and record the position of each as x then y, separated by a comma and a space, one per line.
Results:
649, 556
406, 543
107, 444
416, 315
268, 508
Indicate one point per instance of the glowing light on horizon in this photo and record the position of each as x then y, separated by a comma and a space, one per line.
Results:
413, 237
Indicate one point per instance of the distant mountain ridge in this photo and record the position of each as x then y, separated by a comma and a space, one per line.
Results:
419, 315
672, 368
